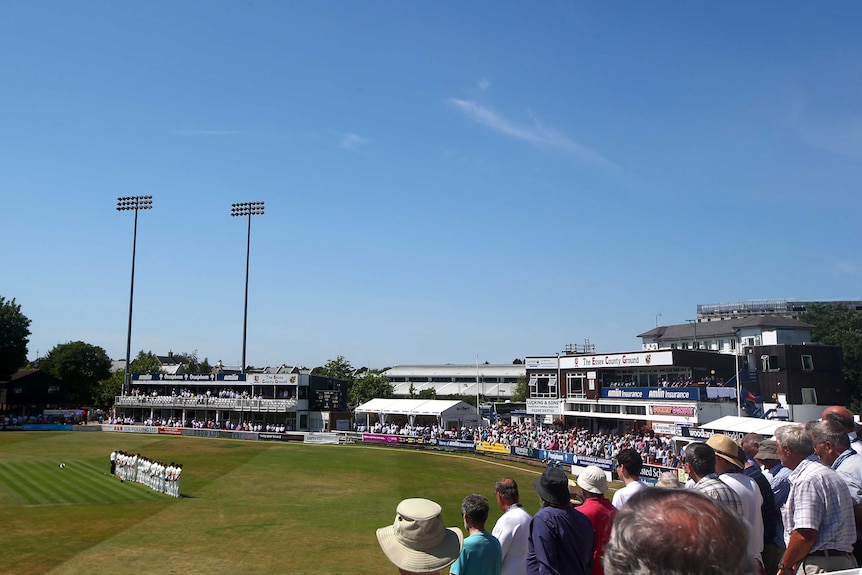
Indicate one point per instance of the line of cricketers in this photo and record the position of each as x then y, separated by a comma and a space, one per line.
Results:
150, 472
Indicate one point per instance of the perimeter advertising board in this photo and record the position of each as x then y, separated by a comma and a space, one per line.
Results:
543, 406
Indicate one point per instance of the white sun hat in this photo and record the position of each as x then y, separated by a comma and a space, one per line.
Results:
418, 540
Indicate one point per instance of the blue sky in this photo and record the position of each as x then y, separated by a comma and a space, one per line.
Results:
442, 179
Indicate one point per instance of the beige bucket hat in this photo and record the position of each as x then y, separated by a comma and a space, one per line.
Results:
417, 540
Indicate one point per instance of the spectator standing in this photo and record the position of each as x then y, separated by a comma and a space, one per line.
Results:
832, 446
844, 416
418, 542
818, 517
512, 529
777, 475
561, 539
729, 464
481, 554
700, 467
628, 464
676, 532
598, 509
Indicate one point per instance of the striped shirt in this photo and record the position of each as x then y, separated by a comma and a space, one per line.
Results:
711, 486
819, 500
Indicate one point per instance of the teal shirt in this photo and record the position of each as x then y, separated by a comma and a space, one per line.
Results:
481, 555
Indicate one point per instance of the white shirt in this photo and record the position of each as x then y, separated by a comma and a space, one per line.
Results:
623, 495
512, 530
752, 501
855, 444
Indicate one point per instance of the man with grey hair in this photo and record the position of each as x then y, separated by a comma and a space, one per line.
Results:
677, 532
818, 517
844, 416
832, 446
481, 554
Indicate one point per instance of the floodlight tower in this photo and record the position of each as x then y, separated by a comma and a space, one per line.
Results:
246, 209
135, 203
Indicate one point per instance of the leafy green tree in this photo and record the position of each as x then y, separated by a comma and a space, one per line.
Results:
81, 366
195, 365
144, 362
14, 337
411, 393
520, 391
108, 389
370, 385
338, 368
836, 324
429, 393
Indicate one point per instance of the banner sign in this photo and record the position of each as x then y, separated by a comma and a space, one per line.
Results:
411, 440
453, 443
524, 451
543, 406
651, 473
270, 437
131, 428
666, 429
684, 410
170, 431
585, 460
558, 456
47, 427
696, 433
321, 438
189, 377
379, 438
493, 447
661, 393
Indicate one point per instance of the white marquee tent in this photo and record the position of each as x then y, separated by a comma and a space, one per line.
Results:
446, 413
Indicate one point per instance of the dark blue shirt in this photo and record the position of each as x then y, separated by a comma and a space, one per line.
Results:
560, 543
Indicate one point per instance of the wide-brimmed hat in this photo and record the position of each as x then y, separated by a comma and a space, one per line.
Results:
593, 479
553, 487
768, 450
418, 540
727, 449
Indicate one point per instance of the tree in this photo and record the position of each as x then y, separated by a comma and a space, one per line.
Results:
338, 368
837, 324
518, 361
14, 337
429, 393
81, 366
520, 391
108, 389
144, 362
411, 393
195, 365
371, 384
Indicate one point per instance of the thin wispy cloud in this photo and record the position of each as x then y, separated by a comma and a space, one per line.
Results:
204, 133
352, 141
849, 268
537, 133
484, 84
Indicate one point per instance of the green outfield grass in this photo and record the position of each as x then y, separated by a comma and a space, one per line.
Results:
247, 507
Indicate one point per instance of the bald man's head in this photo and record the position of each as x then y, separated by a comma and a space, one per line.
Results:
840, 414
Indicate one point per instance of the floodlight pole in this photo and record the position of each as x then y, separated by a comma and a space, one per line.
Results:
136, 203
246, 209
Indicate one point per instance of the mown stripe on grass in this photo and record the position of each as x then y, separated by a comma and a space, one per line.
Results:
45, 484
28, 481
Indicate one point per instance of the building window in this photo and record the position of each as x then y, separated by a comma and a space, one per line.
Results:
543, 385
807, 363
769, 362
809, 395
636, 410
733, 345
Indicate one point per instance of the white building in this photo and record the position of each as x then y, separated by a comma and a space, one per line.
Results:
492, 381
